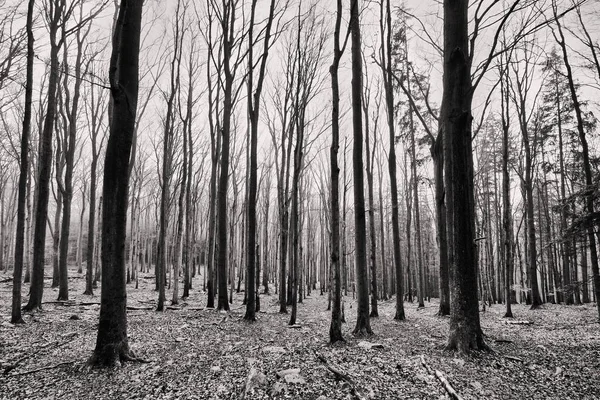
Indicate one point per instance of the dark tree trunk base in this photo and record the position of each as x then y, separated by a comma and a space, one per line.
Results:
31, 308
362, 332
18, 321
113, 356
444, 310
335, 334
399, 316
465, 342
88, 293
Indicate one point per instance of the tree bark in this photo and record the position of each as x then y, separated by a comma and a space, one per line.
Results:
589, 201
465, 330
16, 317
363, 324
112, 346
254, 96
44, 165
386, 57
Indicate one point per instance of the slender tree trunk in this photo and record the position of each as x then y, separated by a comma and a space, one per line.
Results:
44, 165
386, 58
506, 207
589, 201
63, 292
363, 324
222, 242
437, 155
16, 317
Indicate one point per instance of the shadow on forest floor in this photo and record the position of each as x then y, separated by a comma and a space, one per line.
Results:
196, 353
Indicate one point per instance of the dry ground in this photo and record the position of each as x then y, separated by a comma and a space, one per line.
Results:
195, 353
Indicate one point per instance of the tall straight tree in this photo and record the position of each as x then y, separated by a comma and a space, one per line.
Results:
585, 153
363, 323
96, 102
227, 21
112, 346
70, 122
386, 66
167, 160
45, 162
335, 328
523, 78
253, 114
23, 172
465, 329
507, 233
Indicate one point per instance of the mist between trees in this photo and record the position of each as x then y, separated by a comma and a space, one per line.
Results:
297, 147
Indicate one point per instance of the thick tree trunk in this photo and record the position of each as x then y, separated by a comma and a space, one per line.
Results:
465, 330
112, 346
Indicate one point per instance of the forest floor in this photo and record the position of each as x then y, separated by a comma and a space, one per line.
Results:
197, 353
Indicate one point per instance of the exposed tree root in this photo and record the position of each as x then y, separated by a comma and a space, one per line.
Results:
42, 368
113, 356
447, 386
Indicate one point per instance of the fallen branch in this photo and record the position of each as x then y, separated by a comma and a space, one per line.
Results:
513, 358
447, 386
42, 368
134, 308
343, 376
517, 322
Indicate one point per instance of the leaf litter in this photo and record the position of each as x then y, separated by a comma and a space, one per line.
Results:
199, 353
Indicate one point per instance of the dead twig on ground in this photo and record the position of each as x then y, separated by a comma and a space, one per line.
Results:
343, 376
438, 374
42, 368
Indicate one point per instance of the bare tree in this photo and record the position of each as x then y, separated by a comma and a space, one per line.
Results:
24, 168
112, 345
254, 96
53, 15
363, 325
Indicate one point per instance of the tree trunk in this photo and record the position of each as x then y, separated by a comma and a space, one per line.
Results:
222, 243
44, 166
112, 346
16, 317
363, 325
386, 58
465, 330
63, 292
437, 155
506, 207
589, 201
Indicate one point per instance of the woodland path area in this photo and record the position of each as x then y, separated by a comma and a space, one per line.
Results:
195, 353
